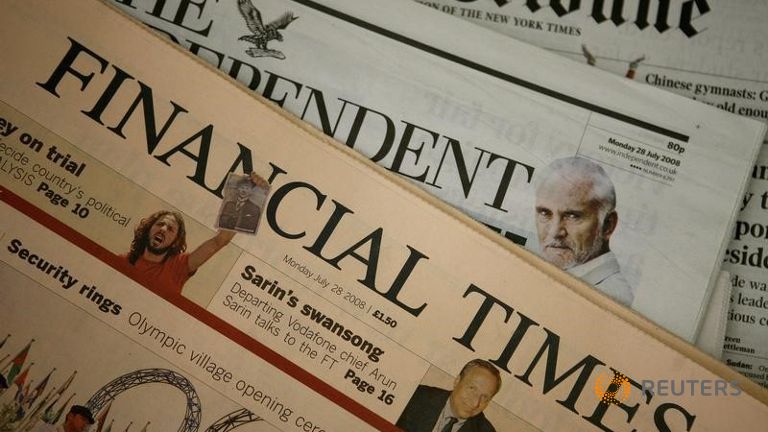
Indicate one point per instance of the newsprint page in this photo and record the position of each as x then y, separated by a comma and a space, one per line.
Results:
179, 254
503, 140
714, 51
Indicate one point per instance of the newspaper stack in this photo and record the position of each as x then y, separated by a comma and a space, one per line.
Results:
373, 307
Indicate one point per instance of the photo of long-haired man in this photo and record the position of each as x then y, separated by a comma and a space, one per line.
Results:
158, 254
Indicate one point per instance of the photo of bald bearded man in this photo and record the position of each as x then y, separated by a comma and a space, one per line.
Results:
575, 218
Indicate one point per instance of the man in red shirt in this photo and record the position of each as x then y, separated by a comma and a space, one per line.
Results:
158, 251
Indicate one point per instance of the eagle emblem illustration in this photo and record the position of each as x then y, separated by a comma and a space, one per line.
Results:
263, 34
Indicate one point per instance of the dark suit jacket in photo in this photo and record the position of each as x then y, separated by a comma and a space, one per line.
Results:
423, 410
246, 219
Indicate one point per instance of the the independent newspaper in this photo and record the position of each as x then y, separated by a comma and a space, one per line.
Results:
446, 105
712, 51
356, 291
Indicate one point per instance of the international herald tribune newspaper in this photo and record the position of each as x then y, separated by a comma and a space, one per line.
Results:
708, 50
346, 304
447, 107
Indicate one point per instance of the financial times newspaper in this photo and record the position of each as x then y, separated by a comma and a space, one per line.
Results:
709, 50
349, 308
489, 134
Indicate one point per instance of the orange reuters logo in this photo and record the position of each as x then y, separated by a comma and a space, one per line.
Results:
612, 389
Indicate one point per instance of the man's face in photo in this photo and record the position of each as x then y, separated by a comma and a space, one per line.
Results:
243, 191
162, 234
568, 222
473, 392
